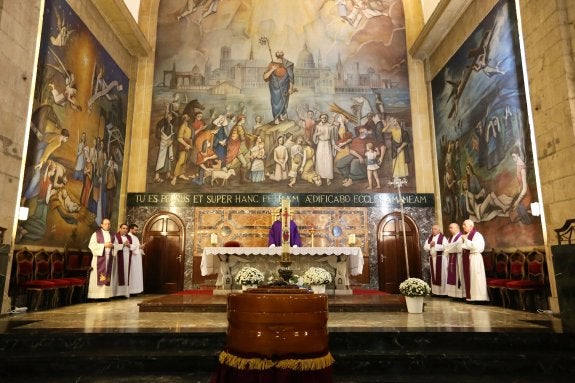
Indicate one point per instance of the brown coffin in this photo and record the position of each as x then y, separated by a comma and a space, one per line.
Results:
276, 322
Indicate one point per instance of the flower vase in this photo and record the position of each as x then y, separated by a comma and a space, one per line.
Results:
246, 287
318, 289
414, 305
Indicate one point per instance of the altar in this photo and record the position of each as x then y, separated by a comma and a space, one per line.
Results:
341, 262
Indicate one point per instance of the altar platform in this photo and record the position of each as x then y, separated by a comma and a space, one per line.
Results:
201, 302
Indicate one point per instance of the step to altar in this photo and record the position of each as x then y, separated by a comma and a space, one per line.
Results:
217, 303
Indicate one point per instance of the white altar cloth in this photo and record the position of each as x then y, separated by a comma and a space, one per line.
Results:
211, 260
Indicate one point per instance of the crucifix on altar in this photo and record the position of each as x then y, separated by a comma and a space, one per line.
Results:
398, 183
285, 272
285, 216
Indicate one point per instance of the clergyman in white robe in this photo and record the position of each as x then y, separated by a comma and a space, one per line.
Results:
437, 261
473, 267
121, 269
455, 287
103, 253
136, 269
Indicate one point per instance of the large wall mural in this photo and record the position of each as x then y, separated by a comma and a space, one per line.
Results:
77, 134
272, 96
482, 132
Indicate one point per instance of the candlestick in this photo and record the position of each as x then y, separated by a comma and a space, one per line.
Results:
312, 232
213, 239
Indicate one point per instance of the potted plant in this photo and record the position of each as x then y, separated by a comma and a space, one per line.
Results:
317, 278
414, 290
249, 277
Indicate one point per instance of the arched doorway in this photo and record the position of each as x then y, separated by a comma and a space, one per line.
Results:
164, 261
390, 251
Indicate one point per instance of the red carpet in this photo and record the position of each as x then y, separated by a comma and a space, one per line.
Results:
209, 292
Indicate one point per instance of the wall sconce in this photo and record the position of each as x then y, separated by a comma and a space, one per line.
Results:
23, 213
535, 209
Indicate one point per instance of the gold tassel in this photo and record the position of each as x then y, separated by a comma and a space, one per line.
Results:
310, 364
245, 363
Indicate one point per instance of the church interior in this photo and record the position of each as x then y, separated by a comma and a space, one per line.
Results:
374, 142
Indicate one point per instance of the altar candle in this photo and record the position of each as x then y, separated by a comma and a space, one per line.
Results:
351, 239
213, 239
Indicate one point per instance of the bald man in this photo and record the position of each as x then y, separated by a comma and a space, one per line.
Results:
473, 269
455, 287
437, 262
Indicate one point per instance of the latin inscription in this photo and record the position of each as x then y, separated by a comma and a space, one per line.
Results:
274, 199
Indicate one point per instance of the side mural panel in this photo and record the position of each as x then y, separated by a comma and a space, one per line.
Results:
77, 134
270, 96
482, 134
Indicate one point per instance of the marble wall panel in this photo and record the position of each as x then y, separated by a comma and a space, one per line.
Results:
250, 226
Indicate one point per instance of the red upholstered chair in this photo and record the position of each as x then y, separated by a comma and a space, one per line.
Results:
496, 284
23, 273
42, 291
534, 282
489, 264
78, 266
65, 285
232, 244
73, 259
516, 274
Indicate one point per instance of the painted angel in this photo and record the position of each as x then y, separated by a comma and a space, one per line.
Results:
63, 32
67, 96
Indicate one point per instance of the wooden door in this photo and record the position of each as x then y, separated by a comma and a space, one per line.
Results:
164, 261
391, 255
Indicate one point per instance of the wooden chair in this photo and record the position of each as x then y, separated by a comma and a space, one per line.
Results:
488, 264
534, 284
23, 273
42, 291
516, 275
496, 284
78, 267
66, 285
565, 232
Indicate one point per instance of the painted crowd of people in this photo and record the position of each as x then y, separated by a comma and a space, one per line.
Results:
317, 147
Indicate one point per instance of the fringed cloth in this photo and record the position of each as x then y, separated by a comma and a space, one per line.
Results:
238, 369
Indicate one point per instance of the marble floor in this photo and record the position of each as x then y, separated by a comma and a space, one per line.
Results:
122, 317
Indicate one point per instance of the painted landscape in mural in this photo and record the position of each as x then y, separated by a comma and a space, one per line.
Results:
77, 134
482, 133
272, 96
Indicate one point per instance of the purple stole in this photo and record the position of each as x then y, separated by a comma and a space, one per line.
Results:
121, 276
104, 268
452, 268
466, 266
436, 274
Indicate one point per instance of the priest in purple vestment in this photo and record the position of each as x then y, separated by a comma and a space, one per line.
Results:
275, 235
103, 254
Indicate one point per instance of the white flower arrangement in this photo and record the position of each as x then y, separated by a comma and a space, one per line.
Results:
316, 276
414, 287
296, 280
249, 276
